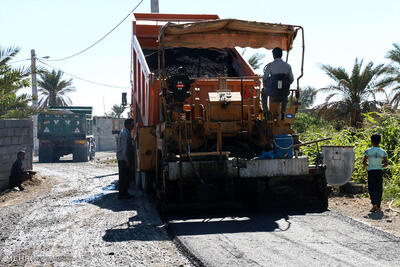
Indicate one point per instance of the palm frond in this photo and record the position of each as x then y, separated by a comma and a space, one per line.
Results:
56, 89
394, 54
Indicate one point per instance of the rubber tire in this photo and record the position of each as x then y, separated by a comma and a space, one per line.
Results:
80, 154
92, 154
46, 154
92, 151
138, 180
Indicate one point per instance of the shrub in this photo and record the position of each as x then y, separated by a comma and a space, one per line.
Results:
386, 124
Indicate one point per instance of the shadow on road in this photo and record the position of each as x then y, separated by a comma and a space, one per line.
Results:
110, 201
103, 176
58, 161
146, 224
244, 222
375, 215
137, 228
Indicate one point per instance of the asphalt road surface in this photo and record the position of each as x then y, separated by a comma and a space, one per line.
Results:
281, 239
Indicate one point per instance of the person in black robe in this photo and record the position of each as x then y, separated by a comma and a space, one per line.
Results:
17, 172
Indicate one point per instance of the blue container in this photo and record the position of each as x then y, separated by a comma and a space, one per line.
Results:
267, 155
283, 146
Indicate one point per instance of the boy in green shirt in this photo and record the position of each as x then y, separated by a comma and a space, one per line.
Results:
377, 159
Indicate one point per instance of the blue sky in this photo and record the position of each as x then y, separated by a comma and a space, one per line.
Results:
336, 32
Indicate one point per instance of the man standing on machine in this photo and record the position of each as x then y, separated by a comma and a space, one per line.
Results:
277, 79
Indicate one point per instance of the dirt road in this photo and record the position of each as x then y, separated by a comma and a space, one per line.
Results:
76, 220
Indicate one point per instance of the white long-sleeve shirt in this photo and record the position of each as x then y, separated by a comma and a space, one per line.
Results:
123, 145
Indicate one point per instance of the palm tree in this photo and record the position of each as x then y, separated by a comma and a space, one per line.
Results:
53, 89
254, 60
394, 73
306, 97
354, 93
117, 110
394, 54
11, 80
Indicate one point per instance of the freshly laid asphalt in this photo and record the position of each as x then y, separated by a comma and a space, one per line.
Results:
282, 239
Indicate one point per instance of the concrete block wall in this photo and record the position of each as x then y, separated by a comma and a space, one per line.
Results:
15, 135
102, 131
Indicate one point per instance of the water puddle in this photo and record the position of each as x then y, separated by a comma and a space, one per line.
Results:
113, 186
90, 199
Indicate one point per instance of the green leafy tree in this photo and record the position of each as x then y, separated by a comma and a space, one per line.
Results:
116, 111
13, 105
53, 89
394, 74
386, 124
353, 93
254, 60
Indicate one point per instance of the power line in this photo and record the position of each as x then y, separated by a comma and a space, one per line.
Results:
19, 61
83, 79
101, 39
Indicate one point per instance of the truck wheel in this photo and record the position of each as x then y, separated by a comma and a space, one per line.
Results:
92, 149
138, 180
45, 154
80, 154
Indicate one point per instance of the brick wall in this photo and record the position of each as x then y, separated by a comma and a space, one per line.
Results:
15, 135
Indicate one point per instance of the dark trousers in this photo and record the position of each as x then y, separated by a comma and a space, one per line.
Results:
14, 181
273, 105
123, 176
375, 181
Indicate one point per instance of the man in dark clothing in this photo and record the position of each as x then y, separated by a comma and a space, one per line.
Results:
17, 171
124, 157
277, 79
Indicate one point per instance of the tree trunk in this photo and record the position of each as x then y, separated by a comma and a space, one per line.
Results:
355, 116
52, 99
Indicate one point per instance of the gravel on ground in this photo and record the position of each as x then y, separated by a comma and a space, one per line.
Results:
70, 216
358, 206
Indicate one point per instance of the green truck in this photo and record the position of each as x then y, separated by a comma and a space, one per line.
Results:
66, 130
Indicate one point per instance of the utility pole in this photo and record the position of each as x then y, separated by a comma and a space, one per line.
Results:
34, 102
34, 80
154, 6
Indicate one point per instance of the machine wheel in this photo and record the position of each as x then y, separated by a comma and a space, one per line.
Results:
138, 180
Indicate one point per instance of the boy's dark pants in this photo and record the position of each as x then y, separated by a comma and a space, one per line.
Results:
124, 172
375, 186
